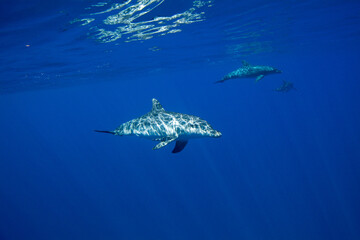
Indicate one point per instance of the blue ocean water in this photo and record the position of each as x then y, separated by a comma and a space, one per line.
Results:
286, 167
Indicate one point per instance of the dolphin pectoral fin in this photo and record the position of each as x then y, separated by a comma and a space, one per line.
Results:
259, 78
163, 143
180, 145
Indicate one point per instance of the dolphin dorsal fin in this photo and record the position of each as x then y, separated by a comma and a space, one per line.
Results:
156, 106
245, 63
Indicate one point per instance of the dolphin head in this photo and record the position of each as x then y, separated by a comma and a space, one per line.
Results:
209, 131
214, 133
201, 128
275, 70
264, 70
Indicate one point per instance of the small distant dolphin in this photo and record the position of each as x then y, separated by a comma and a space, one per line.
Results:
249, 71
285, 87
166, 127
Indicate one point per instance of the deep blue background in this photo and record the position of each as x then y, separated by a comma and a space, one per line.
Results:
286, 167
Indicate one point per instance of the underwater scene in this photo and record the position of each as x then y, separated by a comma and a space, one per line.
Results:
180, 119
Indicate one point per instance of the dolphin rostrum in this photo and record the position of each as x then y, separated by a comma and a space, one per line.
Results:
249, 71
166, 127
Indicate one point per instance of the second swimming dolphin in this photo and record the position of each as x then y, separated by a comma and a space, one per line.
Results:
285, 87
166, 127
249, 71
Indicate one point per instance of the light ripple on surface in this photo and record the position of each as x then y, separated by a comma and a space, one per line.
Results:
130, 11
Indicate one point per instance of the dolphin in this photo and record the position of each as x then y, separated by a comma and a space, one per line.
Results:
165, 127
249, 71
285, 87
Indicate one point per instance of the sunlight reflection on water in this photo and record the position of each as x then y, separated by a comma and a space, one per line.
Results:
126, 20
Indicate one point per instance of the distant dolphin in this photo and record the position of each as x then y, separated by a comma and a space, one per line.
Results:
249, 71
285, 87
166, 127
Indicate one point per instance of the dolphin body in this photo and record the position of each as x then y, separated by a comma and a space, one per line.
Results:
285, 87
166, 127
249, 71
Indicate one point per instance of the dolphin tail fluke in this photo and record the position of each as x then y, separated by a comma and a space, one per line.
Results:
100, 131
220, 81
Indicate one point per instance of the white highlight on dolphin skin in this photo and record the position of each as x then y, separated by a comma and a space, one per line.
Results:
129, 11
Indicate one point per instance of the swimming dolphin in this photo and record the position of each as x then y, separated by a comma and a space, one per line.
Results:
285, 87
166, 127
249, 71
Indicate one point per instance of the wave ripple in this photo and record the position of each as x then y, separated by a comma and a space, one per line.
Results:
125, 18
